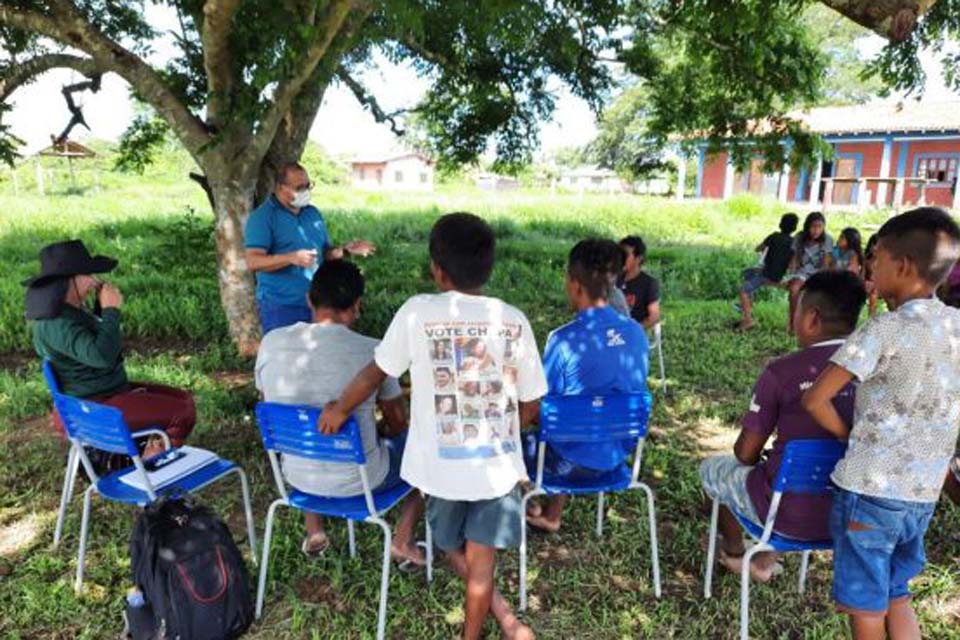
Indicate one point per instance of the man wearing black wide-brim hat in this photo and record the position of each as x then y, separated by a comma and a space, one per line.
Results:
84, 345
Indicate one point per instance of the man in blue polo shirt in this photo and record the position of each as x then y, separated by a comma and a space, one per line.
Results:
600, 352
286, 240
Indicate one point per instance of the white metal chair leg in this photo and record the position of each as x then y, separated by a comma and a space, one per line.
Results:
745, 590
804, 563
663, 369
66, 495
523, 549
711, 550
429, 541
600, 514
384, 578
248, 511
84, 529
265, 560
654, 547
352, 539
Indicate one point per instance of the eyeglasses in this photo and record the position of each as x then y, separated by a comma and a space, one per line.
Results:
301, 187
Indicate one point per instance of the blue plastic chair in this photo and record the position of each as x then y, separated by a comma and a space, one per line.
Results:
89, 424
805, 468
292, 430
598, 420
73, 460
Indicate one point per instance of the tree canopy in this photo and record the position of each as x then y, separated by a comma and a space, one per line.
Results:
249, 76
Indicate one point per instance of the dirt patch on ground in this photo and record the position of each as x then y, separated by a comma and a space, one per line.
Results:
30, 430
316, 590
233, 379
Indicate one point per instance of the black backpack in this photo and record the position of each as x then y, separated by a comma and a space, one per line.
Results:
191, 573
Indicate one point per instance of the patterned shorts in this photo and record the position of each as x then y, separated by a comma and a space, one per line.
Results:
725, 479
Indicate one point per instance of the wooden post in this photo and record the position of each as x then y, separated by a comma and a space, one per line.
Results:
40, 188
898, 195
922, 202
828, 193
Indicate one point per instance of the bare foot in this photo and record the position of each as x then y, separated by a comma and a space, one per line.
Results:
534, 510
314, 544
758, 573
408, 553
745, 326
516, 630
153, 447
543, 523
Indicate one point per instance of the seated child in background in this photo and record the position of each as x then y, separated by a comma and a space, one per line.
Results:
828, 309
868, 257
813, 252
470, 469
905, 432
311, 363
848, 254
777, 249
641, 290
600, 352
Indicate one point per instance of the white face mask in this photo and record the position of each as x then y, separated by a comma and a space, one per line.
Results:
301, 198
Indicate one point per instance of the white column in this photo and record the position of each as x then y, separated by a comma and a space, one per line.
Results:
681, 176
728, 177
784, 183
884, 172
815, 177
956, 196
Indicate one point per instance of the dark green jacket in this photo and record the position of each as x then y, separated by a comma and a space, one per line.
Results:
84, 351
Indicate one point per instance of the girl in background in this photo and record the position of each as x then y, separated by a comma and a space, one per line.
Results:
848, 254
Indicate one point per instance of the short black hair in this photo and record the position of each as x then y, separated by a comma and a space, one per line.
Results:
592, 263
838, 296
926, 236
789, 222
636, 244
463, 246
337, 284
284, 171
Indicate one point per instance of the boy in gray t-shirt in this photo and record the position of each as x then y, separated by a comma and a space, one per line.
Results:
311, 363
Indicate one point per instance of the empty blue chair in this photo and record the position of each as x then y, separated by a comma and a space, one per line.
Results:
73, 460
292, 430
599, 420
806, 469
89, 424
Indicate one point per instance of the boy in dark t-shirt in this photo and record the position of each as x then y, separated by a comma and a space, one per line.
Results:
829, 307
641, 290
777, 249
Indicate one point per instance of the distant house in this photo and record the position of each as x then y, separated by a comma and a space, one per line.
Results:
884, 155
591, 178
393, 172
496, 182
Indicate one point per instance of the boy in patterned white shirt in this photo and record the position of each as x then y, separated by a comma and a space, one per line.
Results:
904, 434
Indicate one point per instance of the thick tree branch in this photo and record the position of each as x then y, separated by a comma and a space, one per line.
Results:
20, 73
342, 16
214, 34
892, 19
68, 26
370, 102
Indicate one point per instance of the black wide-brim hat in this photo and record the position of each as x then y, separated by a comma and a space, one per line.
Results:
66, 259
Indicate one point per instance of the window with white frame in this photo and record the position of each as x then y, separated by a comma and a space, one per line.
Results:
940, 169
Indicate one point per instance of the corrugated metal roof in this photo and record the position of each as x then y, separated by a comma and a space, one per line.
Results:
883, 117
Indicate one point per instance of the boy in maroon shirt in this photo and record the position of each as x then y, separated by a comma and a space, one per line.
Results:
827, 312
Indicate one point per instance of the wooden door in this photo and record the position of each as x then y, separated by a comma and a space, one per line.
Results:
843, 191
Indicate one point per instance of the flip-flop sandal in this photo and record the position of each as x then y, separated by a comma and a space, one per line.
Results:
405, 564
314, 550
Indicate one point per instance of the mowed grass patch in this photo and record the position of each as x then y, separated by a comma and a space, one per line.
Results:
581, 587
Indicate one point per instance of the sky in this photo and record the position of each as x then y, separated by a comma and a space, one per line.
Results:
342, 126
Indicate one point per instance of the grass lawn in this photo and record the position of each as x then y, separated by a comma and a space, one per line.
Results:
580, 587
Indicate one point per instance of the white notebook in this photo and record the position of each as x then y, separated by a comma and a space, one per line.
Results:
169, 467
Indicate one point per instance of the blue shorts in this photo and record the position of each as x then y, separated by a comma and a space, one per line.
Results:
494, 522
877, 550
274, 316
753, 279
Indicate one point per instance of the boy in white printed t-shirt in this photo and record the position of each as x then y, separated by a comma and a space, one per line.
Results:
463, 446
905, 423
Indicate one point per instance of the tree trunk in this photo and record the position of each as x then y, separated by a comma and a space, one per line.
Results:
892, 19
233, 202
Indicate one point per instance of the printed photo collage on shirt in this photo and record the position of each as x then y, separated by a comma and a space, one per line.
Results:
475, 394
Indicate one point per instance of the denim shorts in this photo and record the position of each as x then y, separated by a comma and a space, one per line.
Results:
877, 549
274, 316
725, 479
494, 523
753, 279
